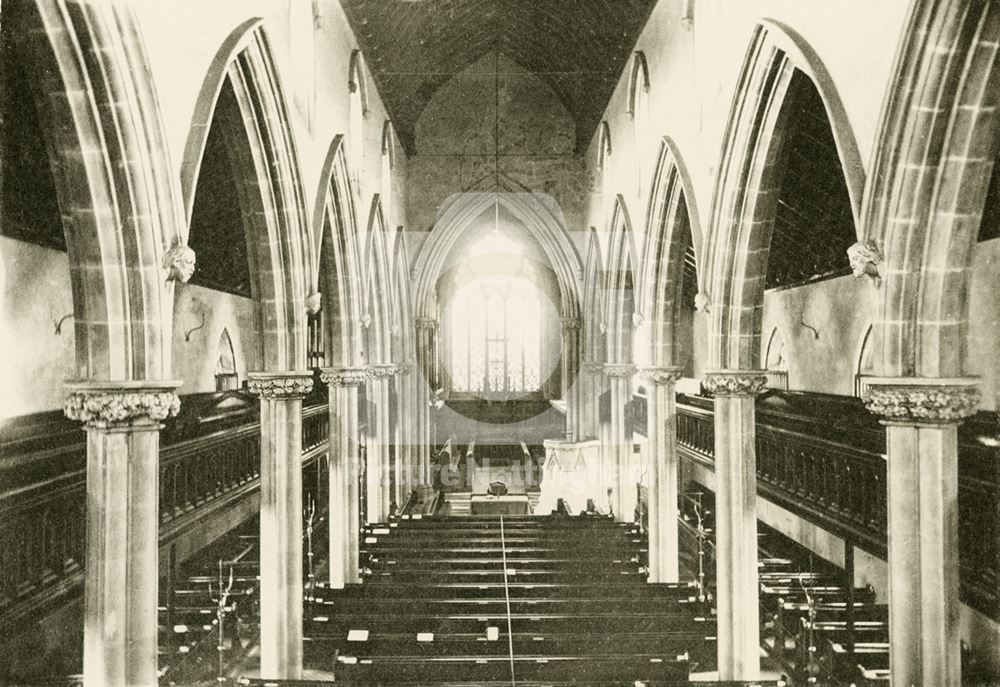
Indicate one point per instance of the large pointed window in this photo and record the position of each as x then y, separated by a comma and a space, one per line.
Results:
495, 322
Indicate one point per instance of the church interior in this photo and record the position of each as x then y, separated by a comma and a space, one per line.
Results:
446, 343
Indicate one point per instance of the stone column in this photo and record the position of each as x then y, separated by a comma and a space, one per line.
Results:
122, 420
738, 615
424, 380
379, 496
570, 381
620, 437
921, 417
281, 395
342, 385
661, 421
590, 423
405, 453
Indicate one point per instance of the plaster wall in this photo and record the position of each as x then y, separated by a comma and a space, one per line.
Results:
35, 360
195, 355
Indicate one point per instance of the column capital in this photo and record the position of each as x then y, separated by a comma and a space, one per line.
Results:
662, 375
107, 404
381, 370
426, 323
592, 366
571, 323
404, 368
623, 370
342, 376
280, 385
735, 382
919, 400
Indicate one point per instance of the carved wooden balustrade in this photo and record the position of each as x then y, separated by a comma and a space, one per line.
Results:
209, 457
822, 458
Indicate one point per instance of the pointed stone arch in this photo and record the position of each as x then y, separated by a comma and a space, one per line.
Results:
335, 234
743, 204
403, 311
594, 285
533, 210
379, 299
281, 248
112, 175
936, 147
620, 305
672, 221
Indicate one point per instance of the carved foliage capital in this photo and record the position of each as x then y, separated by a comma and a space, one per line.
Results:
735, 382
280, 385
920, 400
571, 323
381, 371
623, 370
105, 406
592, 367
343, 376
426, 323
662, 375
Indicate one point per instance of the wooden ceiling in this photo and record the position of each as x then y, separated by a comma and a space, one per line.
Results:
579, 47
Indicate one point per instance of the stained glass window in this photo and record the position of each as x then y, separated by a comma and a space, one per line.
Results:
496, 319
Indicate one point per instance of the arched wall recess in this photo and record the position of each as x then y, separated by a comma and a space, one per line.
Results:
279, 241
776, 360
742, 215
865, 362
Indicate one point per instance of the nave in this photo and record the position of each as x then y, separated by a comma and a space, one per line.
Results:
664, 331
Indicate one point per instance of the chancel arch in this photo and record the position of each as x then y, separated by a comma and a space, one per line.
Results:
532, 210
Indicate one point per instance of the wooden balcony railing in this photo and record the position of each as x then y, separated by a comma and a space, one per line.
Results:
209, 457
823, 458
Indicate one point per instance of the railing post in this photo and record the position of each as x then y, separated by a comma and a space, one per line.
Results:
736, 521
921, 418
661, 430
120, 590
281, 395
